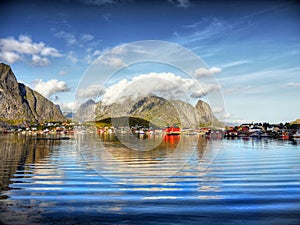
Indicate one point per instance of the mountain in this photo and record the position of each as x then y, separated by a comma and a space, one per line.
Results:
86, 111
19, 103
297, 121
158, 111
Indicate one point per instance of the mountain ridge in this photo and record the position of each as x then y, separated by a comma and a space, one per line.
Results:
20, 104
154, 109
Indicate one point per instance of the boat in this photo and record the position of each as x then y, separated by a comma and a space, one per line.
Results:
173, 130
297, 134
284, 135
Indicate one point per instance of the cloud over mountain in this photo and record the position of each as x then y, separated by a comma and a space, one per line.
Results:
50, 87
167, 85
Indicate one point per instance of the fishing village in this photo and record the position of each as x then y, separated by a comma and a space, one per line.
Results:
282, 131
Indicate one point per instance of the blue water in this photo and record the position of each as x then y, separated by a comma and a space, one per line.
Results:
94, 179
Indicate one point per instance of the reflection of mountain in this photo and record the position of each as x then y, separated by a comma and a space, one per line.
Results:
157, 110
15, 152
167, 146
19, 103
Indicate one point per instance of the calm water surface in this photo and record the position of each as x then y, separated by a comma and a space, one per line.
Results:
183, 180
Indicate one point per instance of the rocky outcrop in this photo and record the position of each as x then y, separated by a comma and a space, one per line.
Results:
86, 111
20, 104
157, 110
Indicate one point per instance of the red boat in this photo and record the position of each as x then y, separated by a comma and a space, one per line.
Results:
173, 130
284, 135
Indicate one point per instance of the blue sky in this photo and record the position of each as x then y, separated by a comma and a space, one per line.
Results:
254, 45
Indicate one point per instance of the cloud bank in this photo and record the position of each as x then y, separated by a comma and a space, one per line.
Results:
12, 50
167, 85
50, 87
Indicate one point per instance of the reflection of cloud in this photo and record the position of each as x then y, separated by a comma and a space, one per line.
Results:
50, 87
12, 50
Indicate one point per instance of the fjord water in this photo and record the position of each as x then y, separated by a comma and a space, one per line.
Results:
93, 178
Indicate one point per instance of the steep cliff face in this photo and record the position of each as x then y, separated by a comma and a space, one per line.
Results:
19, 103
157, 110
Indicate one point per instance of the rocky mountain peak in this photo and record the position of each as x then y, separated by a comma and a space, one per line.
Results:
7, 77
154, 109
20, 104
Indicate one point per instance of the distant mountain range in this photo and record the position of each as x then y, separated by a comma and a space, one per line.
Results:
20, 104
159, 111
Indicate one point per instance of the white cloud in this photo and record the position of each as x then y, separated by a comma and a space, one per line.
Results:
62, 73
72, 58
40, 61
236, 63
97, 53
217, 109
49, 51
68, 37
292, 84
12, 50
201, 72
69, 106
231, 119
90, 57
180, 3
204, 91
91, 91
113, 61
227, 115
166, 85
50, 87
10, 57
107, 16
86, 37
119, 50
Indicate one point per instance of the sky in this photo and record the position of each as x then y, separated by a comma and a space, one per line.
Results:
251, 49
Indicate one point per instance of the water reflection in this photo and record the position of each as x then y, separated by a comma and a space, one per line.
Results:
18, 155
185, 177
118, 163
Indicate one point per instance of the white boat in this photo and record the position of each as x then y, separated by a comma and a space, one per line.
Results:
297, 135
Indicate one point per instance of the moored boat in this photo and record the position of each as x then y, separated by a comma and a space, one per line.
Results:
297, 135
284, 135
173, 130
